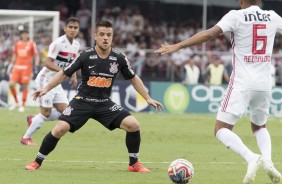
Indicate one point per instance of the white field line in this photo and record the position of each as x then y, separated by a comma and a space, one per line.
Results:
122, 162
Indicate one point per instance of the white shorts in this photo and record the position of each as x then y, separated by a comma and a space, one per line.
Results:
55, 96
236, 102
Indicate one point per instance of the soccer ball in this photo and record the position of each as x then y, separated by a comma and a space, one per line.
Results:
180, 171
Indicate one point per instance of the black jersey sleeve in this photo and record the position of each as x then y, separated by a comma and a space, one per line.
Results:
75, 65
126, 69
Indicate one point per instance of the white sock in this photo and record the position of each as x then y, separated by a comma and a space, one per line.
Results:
37, 122
54, 115
264, 142
234, 142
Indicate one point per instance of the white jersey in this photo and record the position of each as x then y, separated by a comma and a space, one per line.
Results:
252, 38
63, 52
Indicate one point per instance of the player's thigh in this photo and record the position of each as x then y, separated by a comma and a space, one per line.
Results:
60, 129
26, 76
60, 96
233, 106
60, 106
110, 114
14, 77
77, 114
45, 111
225, 117
259, 107
46, 100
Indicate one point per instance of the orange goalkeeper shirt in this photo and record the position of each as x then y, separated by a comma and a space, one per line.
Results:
24, 52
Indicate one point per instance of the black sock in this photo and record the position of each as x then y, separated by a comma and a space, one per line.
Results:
133, 140
48, 144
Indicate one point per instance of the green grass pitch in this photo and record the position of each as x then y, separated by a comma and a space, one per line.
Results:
94, 155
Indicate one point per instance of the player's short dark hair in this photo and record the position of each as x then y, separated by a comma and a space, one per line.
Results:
104, 23
72, 19
23, 31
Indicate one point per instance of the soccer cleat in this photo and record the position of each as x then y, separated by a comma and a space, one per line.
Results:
27, 141
32, 166
270, 170
29, 120
253, 167
138, 167
21, 109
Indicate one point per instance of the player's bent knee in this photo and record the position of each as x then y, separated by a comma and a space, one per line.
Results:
45, 112
130, 126
60, 129
134, 127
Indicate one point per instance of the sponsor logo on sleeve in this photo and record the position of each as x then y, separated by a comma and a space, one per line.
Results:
113, 58
93, 57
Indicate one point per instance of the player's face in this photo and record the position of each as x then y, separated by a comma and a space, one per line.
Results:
72, 29
104, 37
24, 36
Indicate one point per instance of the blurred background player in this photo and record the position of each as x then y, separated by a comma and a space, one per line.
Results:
252, 37
24, 51
60, 54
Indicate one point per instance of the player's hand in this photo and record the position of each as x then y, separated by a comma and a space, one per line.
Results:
166, 49
158, 106
38, 93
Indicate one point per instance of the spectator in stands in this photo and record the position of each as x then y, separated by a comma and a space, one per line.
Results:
131, 47
178, 59
63, 9
108, 16
277, 61
5, 53
84, 16
81, 40
153, 65
192, 71
138, 24
215, 72
140, 57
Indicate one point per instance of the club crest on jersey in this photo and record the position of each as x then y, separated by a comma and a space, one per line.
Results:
114, 67
67, 111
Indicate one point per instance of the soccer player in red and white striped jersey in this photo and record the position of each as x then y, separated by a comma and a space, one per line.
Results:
252, 37
60, 54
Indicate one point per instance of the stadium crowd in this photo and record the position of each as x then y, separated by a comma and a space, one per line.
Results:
140, 31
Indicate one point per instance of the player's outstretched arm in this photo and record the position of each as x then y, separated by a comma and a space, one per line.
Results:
73, 80
57, 79
49, 63
37, 62
140, 88
198, 38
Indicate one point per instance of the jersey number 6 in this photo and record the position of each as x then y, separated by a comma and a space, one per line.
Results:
257, 39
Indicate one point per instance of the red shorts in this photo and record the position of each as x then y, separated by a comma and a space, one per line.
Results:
21, 76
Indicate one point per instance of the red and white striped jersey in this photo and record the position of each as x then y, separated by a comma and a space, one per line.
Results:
252, 37
63, 53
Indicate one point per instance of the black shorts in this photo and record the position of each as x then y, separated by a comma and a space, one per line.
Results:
108, 113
